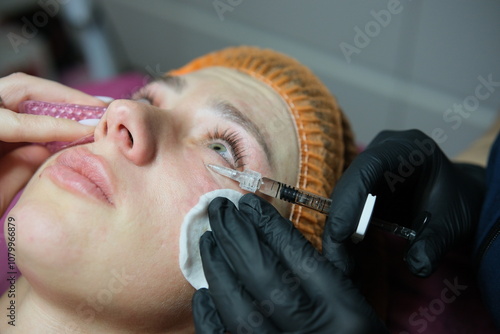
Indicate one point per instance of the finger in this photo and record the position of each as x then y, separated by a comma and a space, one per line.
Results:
293, 250
243, 250
9, 147
16, 169
423, 255
206, 318
19, 87
370, 169
349, 196
259, 259
16, 127
234, 304
324, 283
348, 199
381, 137
370, 173
338, 254
274, 285
449, 224
432, 241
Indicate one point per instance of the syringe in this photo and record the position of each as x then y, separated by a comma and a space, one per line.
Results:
253, 181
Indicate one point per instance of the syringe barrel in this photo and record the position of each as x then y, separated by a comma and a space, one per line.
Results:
293, 195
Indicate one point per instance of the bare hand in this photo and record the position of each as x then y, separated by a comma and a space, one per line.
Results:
18, 160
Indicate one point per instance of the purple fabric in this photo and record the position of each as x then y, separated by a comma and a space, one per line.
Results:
121, 87
446, 302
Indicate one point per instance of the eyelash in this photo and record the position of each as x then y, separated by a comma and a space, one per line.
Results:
233, 139
144, 94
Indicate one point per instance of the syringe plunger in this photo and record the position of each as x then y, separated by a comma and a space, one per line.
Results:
290, 194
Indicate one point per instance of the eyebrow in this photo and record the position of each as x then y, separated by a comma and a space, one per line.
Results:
175, 83
229, 112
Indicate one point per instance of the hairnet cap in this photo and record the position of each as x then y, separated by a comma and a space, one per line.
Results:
323, 133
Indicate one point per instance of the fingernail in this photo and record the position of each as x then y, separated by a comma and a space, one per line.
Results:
105, 99
90, 121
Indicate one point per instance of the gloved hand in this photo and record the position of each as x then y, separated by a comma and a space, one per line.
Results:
264, 277
410, 176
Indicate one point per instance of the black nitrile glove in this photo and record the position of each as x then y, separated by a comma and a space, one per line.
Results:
264, 277
411, 177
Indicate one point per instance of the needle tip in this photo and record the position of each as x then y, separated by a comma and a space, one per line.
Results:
215, 168
224, 171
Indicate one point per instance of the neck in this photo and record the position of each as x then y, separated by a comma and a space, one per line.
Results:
29, 313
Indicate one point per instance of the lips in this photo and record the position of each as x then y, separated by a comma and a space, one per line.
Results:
79, 171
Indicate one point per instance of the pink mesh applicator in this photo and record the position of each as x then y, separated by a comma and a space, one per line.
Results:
80, 113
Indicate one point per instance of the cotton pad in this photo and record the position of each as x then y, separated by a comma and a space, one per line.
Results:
194, 225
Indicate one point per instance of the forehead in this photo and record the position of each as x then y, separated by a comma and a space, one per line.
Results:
243, 89
252, 96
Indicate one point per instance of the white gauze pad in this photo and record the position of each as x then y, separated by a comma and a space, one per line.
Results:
194, 225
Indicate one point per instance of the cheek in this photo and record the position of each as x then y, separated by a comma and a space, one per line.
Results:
47, 240
193, 178
171, 195
256, 161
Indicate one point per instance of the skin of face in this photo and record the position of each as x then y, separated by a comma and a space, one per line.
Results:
115, 260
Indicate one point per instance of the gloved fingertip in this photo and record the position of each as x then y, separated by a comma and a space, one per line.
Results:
217, 203
261, 211
419, 260
337, 254
251, 200
207, 239
200, 295
206, 318
339, 230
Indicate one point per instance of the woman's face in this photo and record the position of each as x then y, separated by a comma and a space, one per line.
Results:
119, 232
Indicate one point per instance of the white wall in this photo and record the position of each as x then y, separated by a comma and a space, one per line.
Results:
421, 61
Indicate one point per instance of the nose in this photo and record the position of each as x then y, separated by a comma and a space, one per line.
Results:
128, 125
